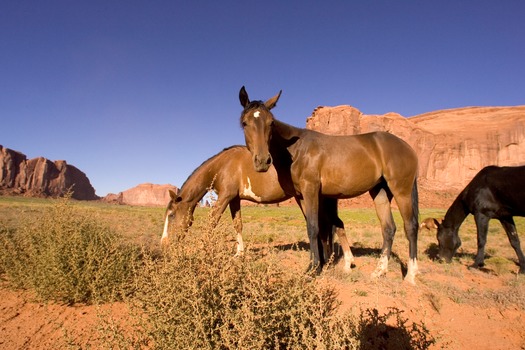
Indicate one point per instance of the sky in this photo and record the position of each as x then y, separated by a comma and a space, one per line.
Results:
144, 91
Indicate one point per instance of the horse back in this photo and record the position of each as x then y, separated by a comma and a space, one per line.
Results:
498, 191
350, 165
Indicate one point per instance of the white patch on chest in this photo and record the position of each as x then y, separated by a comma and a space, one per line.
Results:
256, 115
248, 192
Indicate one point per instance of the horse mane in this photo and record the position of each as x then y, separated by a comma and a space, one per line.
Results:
209, 160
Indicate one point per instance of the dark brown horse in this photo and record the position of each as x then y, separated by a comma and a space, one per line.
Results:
337, 167
230, 173
494, 193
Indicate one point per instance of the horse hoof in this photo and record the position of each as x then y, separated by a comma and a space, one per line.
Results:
476, 266
410, 280
378, 273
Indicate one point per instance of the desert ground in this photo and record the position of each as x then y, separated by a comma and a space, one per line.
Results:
461, 307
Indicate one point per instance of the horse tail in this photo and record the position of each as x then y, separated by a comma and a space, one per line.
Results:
415, 204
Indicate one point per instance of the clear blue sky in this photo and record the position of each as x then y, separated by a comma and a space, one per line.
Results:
145, 91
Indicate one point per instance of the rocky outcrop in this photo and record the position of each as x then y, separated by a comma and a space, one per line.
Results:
41, 177
452, 145
144, 194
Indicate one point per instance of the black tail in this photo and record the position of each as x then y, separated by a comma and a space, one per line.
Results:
415, 205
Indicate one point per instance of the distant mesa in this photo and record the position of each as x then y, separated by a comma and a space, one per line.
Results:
40, 177
146, 194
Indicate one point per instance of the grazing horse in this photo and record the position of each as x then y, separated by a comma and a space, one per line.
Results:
230, 173
494, 193
337, 167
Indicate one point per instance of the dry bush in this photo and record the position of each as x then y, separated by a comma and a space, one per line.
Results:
68, 256
199, 296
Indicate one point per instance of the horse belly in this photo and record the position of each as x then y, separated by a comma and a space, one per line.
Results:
349, 182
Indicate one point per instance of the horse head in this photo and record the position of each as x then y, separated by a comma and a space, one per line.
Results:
257, 122
448, 240
178, 217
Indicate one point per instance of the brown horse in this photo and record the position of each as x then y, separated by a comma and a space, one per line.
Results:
230, 173
429, 224
337, 167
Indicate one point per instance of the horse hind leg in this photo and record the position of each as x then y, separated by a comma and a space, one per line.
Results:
382, 198
512, 234
407, 202
347, 252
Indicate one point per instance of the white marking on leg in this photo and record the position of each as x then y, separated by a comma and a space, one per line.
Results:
247, 191
411, 271
164, 238
256, 114
382, 267
349, 259
240, 245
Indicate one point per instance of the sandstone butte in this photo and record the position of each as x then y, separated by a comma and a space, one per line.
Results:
452, 145
40, 177
146, 194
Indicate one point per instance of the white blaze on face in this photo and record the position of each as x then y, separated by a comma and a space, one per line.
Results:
256, 114
248, 192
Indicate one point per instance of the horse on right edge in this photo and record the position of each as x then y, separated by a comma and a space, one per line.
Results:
494, 193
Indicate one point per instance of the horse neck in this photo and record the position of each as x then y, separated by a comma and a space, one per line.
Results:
285, 135
456, 214
199, 182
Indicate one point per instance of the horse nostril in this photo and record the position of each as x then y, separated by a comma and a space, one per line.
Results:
269, 160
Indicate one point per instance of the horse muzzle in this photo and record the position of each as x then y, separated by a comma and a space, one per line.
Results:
262, 163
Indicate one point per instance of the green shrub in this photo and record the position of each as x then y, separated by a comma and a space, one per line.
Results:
68, 256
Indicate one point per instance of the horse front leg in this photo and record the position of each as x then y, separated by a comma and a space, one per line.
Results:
514, 239
311, 211
482, 225
329, 212
235, 210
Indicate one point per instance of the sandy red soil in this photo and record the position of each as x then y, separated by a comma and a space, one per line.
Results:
479, 312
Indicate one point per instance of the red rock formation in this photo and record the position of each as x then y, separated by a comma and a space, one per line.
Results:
144, 194
452, 145
41, 177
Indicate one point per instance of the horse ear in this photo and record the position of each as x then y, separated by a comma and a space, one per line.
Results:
243, 97
437, 222
273, 101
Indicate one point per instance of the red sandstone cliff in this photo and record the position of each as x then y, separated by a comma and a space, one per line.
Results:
452, 145
41, 177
